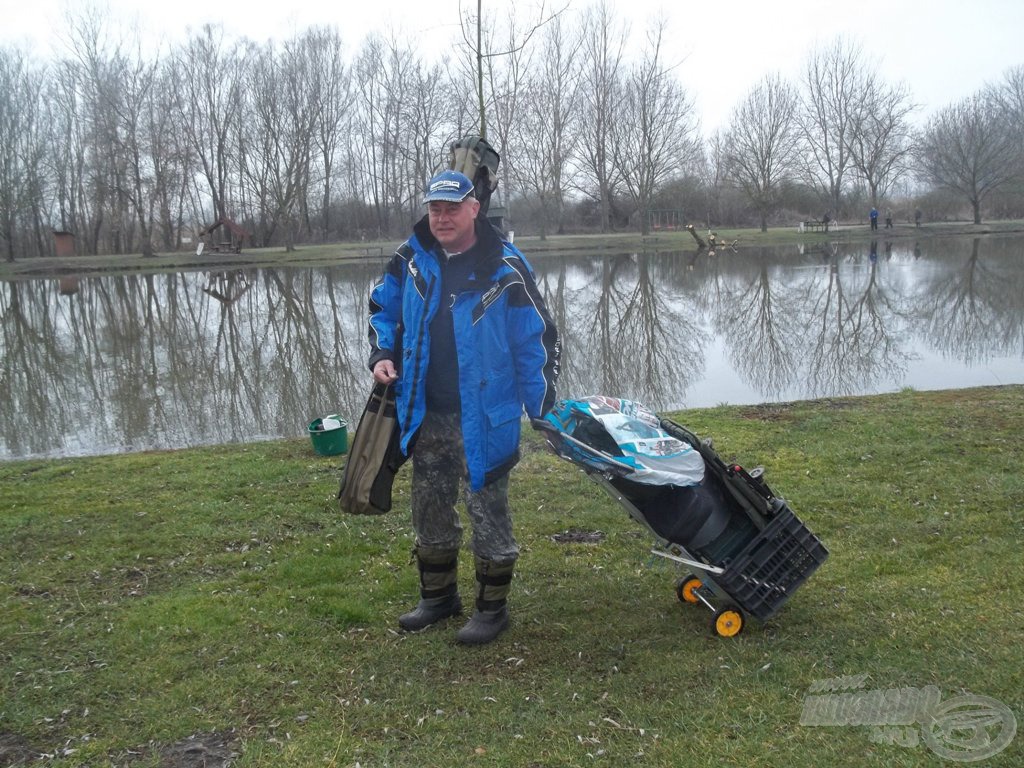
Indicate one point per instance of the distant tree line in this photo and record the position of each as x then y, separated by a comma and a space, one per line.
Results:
304, 141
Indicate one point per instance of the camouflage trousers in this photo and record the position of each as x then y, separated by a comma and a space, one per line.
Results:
438, 474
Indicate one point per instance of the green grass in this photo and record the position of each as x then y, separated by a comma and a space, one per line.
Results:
147, 598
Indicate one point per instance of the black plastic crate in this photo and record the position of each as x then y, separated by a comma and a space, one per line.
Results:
764, 575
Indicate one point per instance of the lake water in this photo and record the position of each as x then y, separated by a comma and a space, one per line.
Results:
110, 364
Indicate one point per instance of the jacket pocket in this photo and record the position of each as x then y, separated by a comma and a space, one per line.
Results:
503, 425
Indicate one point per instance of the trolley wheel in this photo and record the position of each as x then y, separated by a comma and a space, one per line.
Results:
727, 622
686, 589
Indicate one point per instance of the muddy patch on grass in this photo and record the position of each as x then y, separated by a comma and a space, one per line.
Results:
16, 751
204, 750
578, 536
216, 749
783, 411
766, 412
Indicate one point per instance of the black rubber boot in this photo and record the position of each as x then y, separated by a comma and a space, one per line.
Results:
491, 617
439, 591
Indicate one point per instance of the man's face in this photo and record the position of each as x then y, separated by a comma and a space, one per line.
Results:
453, 223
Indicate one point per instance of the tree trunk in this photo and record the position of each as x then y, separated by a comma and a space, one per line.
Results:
9, 238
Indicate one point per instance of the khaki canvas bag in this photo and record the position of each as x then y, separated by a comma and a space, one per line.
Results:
474, 157
374, 458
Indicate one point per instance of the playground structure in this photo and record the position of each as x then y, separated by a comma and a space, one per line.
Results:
231, 240
665, 220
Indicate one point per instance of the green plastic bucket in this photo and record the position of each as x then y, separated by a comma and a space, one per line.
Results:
332, 440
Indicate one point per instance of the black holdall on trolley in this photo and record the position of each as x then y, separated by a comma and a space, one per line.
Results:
374, 457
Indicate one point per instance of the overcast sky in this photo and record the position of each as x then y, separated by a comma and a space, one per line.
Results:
942, 49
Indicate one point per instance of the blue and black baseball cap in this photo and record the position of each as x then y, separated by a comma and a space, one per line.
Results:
450, 186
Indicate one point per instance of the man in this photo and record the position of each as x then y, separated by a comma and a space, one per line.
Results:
874, 217
458, 325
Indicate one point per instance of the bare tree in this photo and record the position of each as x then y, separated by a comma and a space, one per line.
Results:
104, 220
602, 63
968, 148
172, 158
67, 157
832, 84
124, 88
22, 142
762, 144
498, 59
277, 143
483, 51
210, 101
657, 135
1009, 94
110, 87
126, 148
543, 140
426, 124
382, 71
880, 136
714, 171
331, 87
506, 74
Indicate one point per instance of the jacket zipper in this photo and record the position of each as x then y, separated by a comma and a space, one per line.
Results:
418, 359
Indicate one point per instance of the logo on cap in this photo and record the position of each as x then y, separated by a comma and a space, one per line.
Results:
444, 184
449, 186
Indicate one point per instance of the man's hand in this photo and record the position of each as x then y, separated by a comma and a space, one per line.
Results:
384, 371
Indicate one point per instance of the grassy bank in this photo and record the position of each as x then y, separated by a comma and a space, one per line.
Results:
625, 242
162, 608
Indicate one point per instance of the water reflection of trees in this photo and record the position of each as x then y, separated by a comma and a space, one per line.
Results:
165, 360
853, 331
28, 347
971, 311
134, 362
758, 320
629, 329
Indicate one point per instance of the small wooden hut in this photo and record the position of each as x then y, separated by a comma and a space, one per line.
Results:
63, 244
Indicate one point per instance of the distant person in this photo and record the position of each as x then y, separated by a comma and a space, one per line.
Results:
874, 218
888, 218
826, 219
917, 218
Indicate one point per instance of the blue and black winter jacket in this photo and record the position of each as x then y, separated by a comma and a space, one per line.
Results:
507, 345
